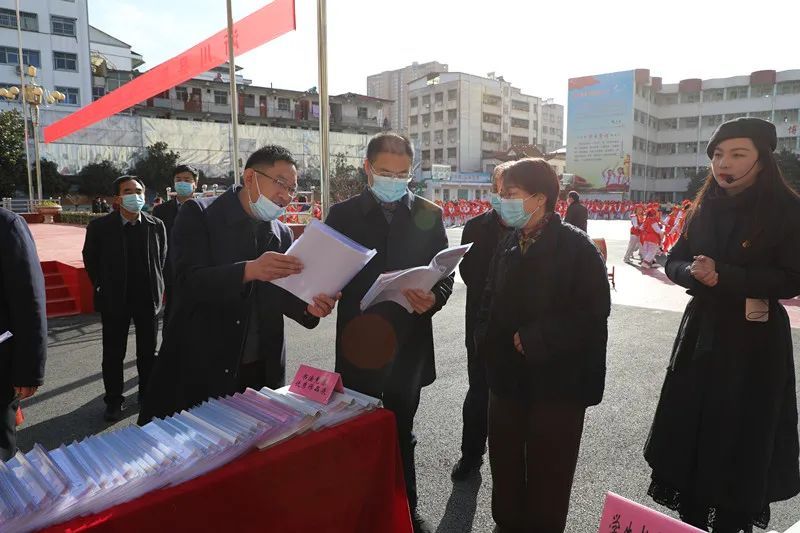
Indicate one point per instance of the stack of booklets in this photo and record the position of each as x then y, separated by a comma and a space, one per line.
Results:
41, 487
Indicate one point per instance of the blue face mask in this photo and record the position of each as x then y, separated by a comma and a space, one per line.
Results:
265, 209
388, 189
133, 202
512, 211
495, 201
184, 188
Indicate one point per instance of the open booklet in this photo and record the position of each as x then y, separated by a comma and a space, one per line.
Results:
330, 260
390, 286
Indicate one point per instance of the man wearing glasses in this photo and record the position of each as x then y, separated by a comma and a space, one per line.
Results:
226, 331
387, 352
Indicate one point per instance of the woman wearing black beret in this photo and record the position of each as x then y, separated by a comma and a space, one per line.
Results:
724, 443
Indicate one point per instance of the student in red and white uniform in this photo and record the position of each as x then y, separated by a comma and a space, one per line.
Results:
651, 237
635, 243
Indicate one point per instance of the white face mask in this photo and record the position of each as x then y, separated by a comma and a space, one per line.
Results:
263, 208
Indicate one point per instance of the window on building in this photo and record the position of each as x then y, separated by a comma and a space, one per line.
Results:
438, 116
27, 21
438, 98
426, 119
426, 100
668, 124
667, 98
452, 116
735, 93
438, 137
438, 156
249, 100
65, 61
426, 155
788, 87
518, 139
181, 93
787, 143
761, 91
520, 123
426, 138
490, 99
713, 95
763, 115
451, 153
62, 26
362, 112
452, 94
787, 116
72, 94
116, 78
452, 135
687, 148
689, 122
491, 136
98, 93
491, 119
220, 97
10, 56
414, 138
283, 104
690, 98
712, 120
414, 101
413, 120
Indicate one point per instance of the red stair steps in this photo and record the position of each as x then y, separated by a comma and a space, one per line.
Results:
60, 299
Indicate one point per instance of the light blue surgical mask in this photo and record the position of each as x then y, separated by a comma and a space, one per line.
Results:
494, 198
265, 209
133, 202
512, 211
184, 188
388, 189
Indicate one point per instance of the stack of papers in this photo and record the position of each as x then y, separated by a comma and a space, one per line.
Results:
390, 286
330, 260
42, 488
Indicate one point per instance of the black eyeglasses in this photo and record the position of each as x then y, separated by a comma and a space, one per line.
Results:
291, 191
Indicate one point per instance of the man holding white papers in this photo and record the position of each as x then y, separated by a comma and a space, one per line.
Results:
386, 351
226, 331
23, 324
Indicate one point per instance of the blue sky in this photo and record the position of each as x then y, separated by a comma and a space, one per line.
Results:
534, 48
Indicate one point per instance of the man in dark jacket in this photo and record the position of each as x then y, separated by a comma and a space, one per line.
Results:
577, 214
227, 249
124, 254
386, 351
484, 232
23, 316
185, 184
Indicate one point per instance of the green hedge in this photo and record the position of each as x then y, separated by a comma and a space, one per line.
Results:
81, 218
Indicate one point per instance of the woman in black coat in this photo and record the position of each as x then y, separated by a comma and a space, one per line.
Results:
724, 442
542, 332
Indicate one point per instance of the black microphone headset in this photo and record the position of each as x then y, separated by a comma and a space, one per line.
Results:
731, 179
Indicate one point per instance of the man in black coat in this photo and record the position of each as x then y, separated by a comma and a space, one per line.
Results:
386, 351
23, 315
484, 232
185, 184
124, 254
577, 214
227, 249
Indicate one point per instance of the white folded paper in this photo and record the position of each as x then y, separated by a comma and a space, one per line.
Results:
330, 260
390, 286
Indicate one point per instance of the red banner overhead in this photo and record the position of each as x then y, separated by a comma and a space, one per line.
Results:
269, 22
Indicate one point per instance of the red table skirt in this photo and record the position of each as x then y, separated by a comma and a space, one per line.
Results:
348, 478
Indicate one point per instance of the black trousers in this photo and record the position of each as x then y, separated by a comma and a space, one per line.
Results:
476, 409
168, 296
115, 341
399, 385
8, 422
533, 451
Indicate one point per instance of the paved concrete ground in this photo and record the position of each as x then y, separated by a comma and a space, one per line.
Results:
70, 405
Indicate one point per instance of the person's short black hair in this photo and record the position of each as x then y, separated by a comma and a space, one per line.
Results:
124, 179
534, 176
269, 155
186, 168
389, 142
575, 196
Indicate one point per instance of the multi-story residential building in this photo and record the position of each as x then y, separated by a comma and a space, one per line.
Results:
552, 126
628, 132
462, 120
393, 85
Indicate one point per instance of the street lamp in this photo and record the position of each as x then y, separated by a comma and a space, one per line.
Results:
34, 95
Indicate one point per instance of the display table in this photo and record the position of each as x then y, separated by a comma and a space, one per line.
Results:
347, 478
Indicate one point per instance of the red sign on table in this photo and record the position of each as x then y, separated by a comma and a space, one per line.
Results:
316, 384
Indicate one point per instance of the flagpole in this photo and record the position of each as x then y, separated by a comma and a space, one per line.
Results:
234, 98
24, 110
324, 116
